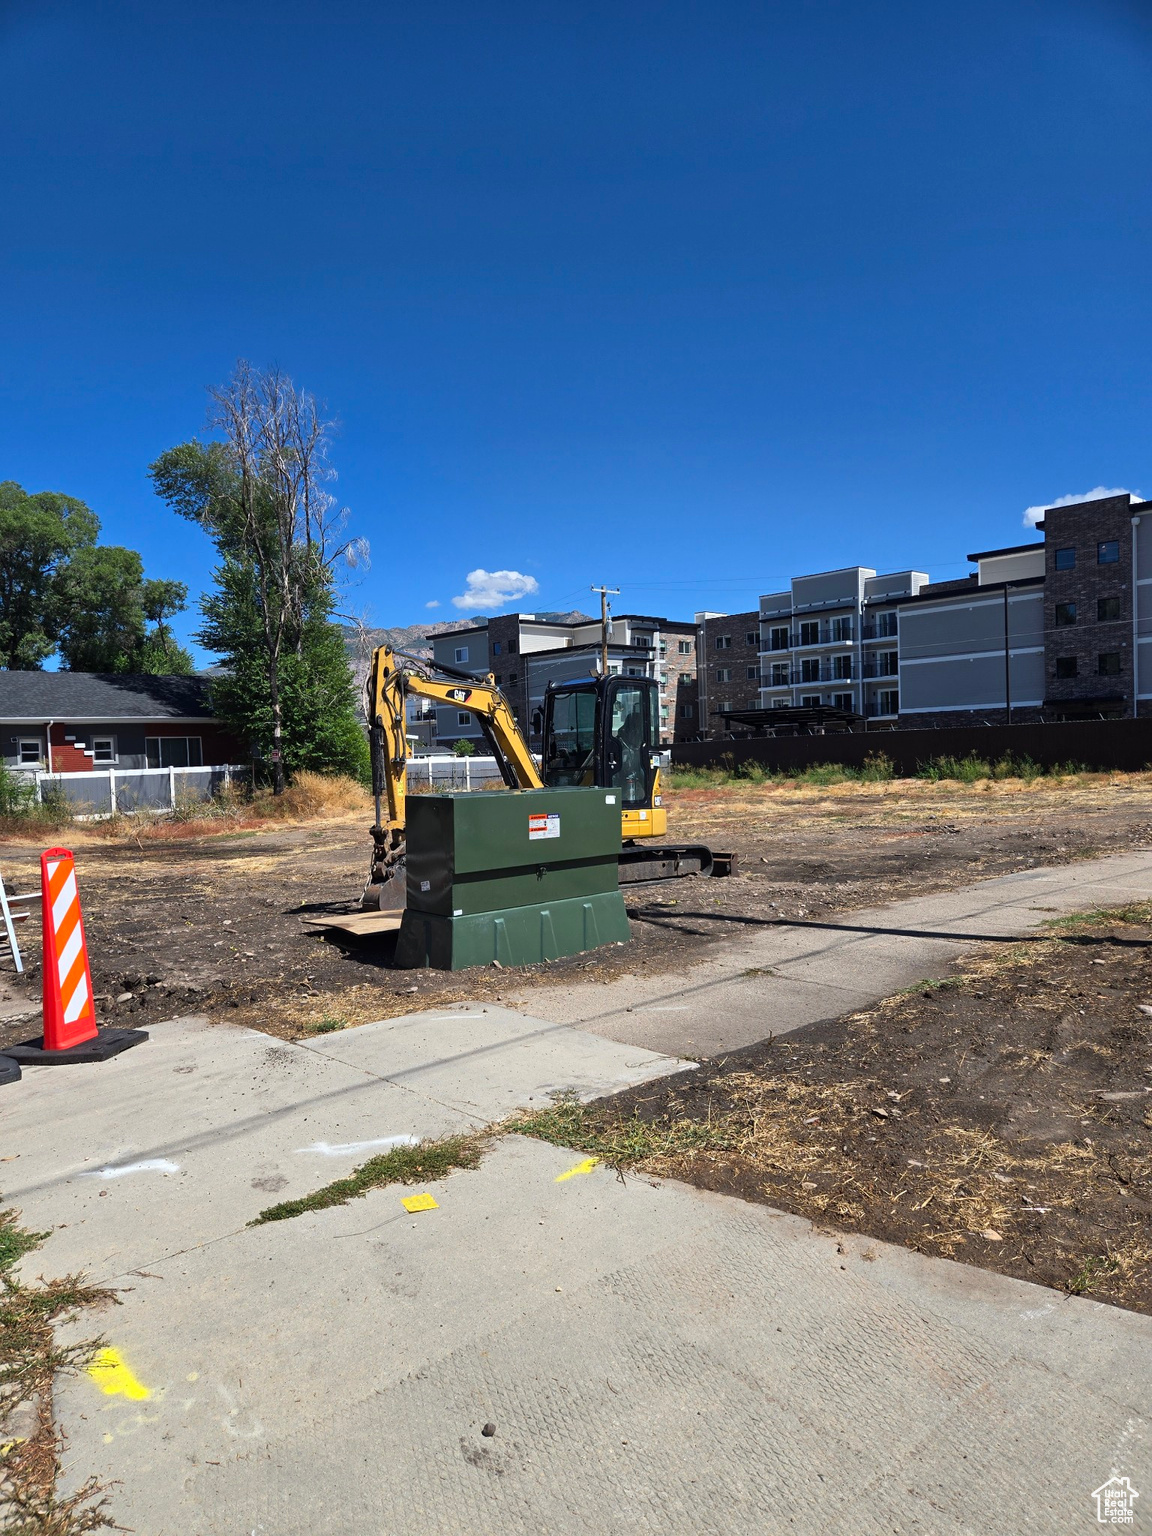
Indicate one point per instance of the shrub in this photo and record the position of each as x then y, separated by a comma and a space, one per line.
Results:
464, 748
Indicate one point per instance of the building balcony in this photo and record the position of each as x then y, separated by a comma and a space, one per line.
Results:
880, 668
802, 677
883, 630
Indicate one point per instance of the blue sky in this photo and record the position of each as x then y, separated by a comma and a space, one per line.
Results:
680, 297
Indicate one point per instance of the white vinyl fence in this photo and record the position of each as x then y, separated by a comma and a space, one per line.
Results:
102, 792
451, 772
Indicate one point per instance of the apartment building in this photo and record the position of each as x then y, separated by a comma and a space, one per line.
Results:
829, 639
1049, 630
525, 653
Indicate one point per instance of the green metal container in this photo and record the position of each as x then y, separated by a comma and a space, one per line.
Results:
517, 876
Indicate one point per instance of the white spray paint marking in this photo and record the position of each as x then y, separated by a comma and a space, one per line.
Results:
1038, 1312
346, 1148
666, 1008
1131, 1427
149, 1165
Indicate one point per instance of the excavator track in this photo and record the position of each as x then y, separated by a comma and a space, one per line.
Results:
641, 865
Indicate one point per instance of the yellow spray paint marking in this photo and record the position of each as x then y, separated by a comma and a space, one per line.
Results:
585, 1167
420, 1203
114, 1378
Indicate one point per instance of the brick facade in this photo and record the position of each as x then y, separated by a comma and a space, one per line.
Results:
739, 657
681, 689
70, 756
507, 664
1096, 594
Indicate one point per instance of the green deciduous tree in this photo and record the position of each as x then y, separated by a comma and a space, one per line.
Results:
39, 534
60, 590
259, 493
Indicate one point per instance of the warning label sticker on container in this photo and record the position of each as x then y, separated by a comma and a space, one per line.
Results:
543, 824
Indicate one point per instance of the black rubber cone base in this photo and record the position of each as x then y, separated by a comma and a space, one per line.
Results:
9, 1070
109, 1042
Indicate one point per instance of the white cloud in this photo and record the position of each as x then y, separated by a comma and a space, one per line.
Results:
492, 589
435, 603
1032, 515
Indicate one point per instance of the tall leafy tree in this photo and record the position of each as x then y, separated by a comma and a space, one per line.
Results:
260, 493
160, 652
39, 534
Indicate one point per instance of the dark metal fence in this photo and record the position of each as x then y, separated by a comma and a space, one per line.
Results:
1097, 744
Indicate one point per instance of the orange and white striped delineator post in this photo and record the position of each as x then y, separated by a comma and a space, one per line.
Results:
70, 1032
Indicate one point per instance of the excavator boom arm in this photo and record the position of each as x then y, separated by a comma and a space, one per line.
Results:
393, 680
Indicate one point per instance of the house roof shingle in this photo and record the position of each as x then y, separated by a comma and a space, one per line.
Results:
102, 696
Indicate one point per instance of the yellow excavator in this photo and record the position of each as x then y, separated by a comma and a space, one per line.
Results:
602, 731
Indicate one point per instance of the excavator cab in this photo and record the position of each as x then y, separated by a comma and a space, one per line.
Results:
605, 732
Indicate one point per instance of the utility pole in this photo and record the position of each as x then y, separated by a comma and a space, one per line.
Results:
1007, 663
604, 595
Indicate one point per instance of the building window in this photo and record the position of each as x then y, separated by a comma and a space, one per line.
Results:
842, 666
810, 670
842, 701
511, 647
723, 674
643, 641
633, 671
841, 629
810, 700
103, 749
779, 674
463, 717
512, 676
889, 701
687, 711
723, 642
1065, 559
780, 704
461, 653
28, 752
810, 633
1108, 664
753, 673
1065, 666
778, 640
1108, 552
685, 677
1065, 613
173, 751
889, 663
726, 706
683, 647
1107, 610
752, 638
885, 625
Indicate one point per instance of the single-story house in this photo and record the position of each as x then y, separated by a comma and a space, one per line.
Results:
72, 722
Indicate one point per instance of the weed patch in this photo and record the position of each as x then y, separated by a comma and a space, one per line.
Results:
424, 1164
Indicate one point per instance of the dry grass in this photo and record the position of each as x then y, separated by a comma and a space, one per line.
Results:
310, 797
30, 1360
742, 807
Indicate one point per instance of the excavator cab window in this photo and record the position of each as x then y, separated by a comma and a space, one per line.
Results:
629, 716
570, 737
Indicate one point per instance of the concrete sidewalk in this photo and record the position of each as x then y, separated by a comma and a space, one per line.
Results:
777, 977
654, 1358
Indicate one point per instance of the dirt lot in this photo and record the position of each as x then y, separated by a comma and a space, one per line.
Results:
216, 923
1002, 1117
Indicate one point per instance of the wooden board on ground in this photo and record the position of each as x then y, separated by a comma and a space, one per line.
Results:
360, 925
